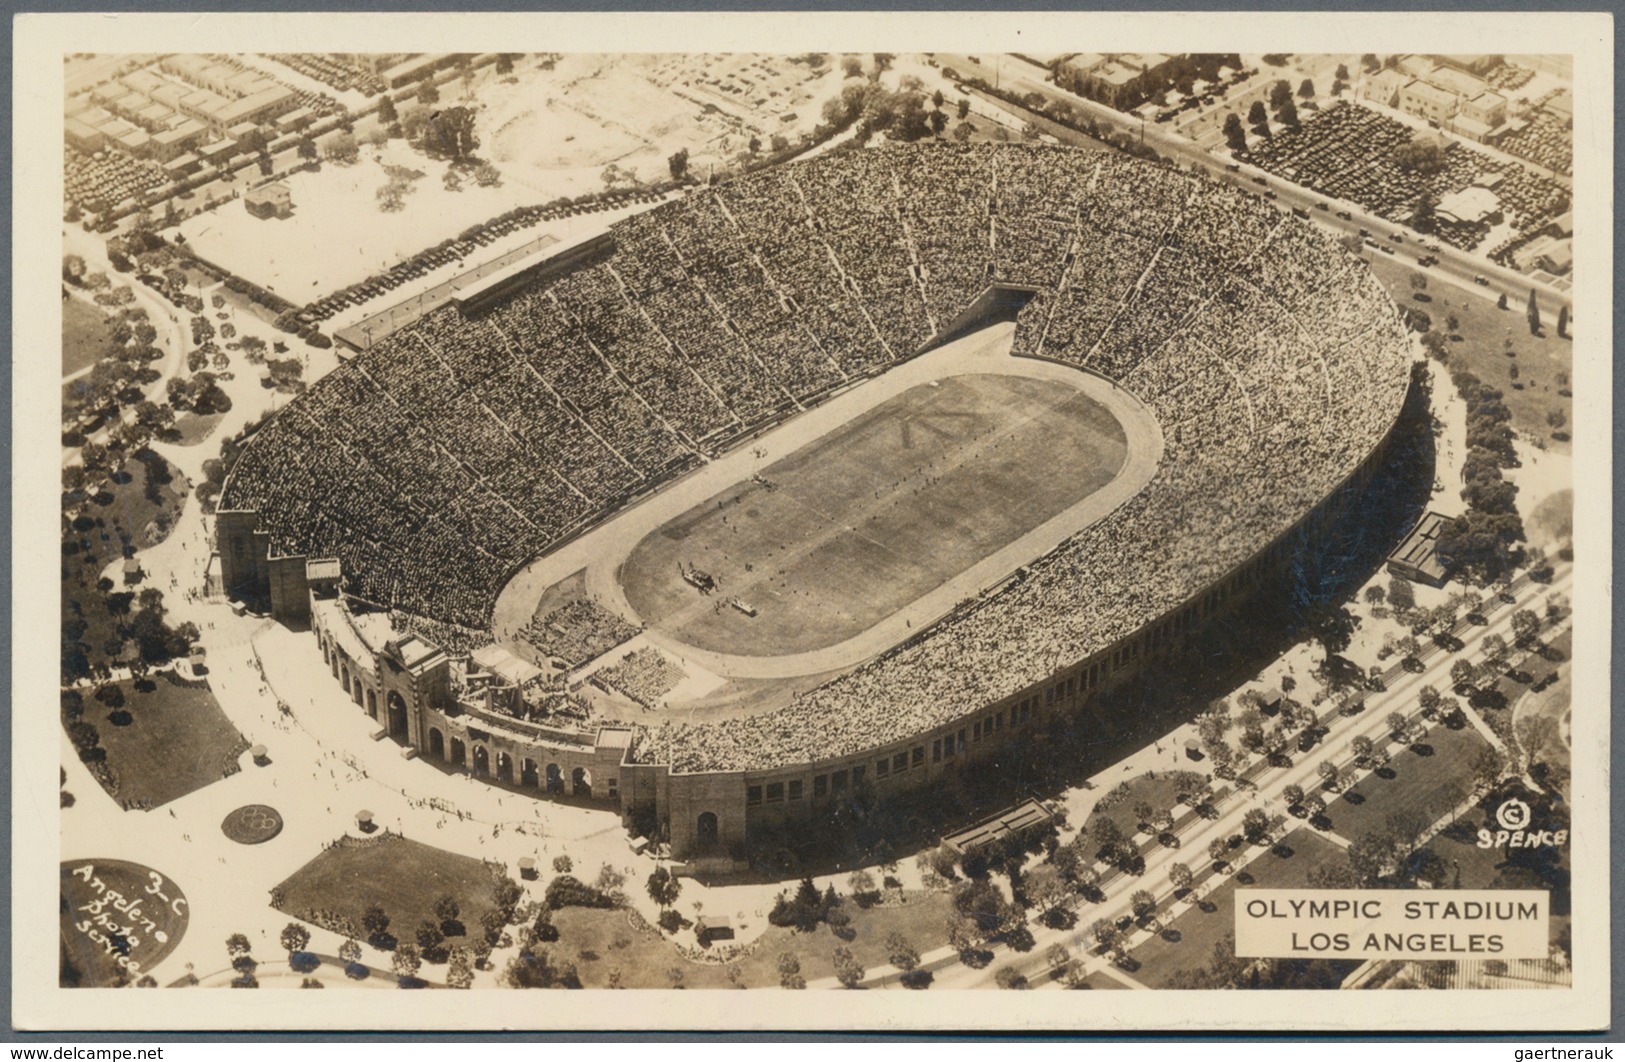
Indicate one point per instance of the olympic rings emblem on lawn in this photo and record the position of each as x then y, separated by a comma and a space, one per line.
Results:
252, 824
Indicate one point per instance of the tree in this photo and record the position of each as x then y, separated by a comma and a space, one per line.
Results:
1235, 134
449, 134
376, 923
755, 144
1280, 93
1463, 674
350, 952
1144, 904
678, 164
487, 176
429, 94
1563, 321
1533, 313
848, 971
901, 953
1009, 977
73, 268
1256, 114
790, 971
962, 109
460, 969
406, 962
1328, 774
1180, 876
1217, 849
663, 887
1525, 625
1256, 824
343, 149
1288, 114
504, 64
1306, 90
237, 945
1488, 765
430, 940
861, 884
295, 937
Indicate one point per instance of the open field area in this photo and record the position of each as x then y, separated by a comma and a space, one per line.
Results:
177, 740
1432, 784
1484, 331
86, 336
852, 527
298, 258
402, 876
1187, 942
644, 960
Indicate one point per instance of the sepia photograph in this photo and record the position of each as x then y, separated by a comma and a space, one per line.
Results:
685, 514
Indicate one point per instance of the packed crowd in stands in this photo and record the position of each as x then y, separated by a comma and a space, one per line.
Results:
1352, 152
460, 448
1545, 139
576, 632
644, 675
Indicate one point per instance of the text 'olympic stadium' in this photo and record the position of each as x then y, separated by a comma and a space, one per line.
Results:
422, 475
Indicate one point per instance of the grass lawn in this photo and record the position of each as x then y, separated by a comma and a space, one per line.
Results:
1483, 329
1157, 788
87, 335
598, 941
878, 513
402, 876
178, 740
1187, 942
195, 429
1433, 783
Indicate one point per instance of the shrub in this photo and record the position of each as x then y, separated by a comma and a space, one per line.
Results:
566, 891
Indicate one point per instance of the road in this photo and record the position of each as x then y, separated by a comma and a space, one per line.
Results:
1454, 264
1260, 786
173, 336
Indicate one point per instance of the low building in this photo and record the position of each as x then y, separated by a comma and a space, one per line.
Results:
1417, 558
1487, 107
1470, 206
269, 201
1120, 80
1548, 253
1428, 101
171, 144
82, 136
1383, 87
1479, 64
1018, 821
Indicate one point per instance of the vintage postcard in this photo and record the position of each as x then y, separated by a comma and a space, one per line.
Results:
977, 503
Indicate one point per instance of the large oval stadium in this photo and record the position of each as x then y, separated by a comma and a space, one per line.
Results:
766, 433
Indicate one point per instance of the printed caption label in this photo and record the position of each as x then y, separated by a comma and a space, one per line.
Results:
1402, 924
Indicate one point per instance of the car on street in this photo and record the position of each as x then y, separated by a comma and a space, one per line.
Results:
1345, 215
1482, 279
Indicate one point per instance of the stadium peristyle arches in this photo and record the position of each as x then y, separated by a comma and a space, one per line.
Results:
456, 452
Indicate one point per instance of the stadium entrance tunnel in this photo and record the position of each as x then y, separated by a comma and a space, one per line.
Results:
997, 304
